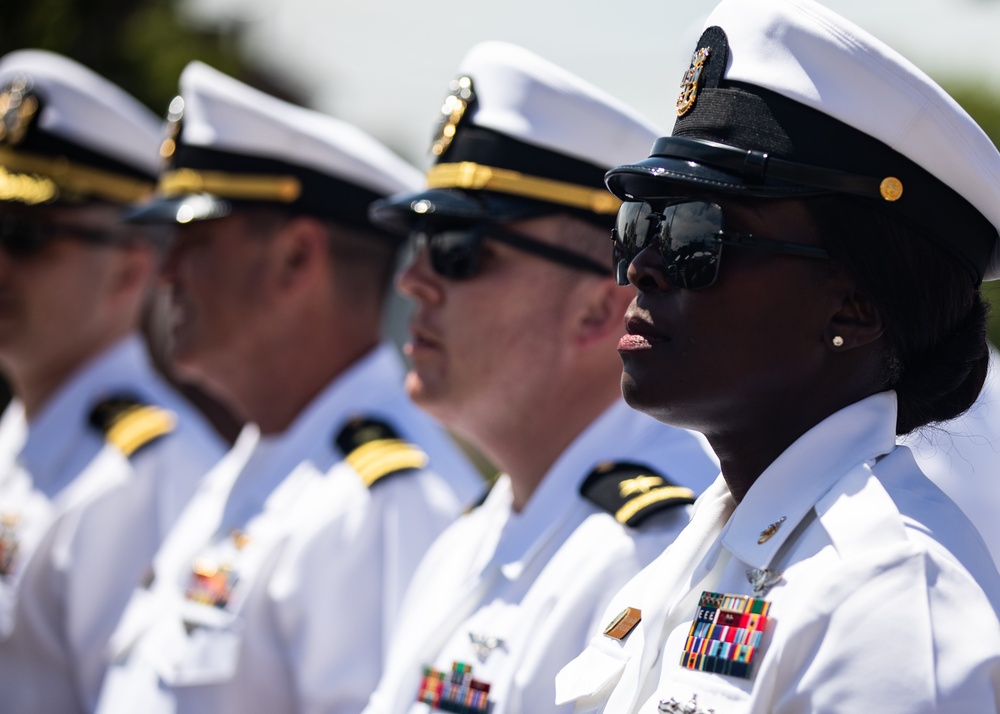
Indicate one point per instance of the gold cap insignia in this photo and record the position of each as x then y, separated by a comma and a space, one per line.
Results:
173, 129
689, 84
454, 107
18, 107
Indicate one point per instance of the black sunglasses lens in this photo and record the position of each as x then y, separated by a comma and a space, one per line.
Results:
453, 254
20, 239
689, 243
634, 228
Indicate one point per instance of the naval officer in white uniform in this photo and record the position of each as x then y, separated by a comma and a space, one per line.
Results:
97, 453
279, 584
512, 344
807, 248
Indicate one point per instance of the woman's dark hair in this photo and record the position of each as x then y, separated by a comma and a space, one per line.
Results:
935, 353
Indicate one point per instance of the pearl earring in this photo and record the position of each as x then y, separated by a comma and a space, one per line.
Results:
838, 341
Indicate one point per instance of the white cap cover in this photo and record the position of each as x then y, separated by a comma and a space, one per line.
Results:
791, 81
68, 134
230, 142
520, 136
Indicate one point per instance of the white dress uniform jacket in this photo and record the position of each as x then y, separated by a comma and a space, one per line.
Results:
962, 457
308, 564
515, 595
866, 566
80, 523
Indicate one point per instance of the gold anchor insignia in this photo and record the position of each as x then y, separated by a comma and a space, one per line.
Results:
639, 484
173, 128
765, 535
689, 83
18, 108
452, 112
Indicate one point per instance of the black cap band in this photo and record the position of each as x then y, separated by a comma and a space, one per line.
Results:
316, 193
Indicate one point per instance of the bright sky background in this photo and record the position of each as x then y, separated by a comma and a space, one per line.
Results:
385, 64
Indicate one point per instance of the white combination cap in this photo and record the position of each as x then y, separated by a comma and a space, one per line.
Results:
69, 135
786, 98
519, 136
230, 144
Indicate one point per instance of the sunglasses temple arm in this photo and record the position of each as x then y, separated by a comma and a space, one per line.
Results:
551, 252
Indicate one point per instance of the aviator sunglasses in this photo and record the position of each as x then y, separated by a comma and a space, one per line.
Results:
455, 253
689, 236
20, 238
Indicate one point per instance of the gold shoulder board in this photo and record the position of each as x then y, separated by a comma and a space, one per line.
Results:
632, 492
374, 450
129, 424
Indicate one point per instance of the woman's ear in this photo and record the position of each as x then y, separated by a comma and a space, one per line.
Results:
857, 323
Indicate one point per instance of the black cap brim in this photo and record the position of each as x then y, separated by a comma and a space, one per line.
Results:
179, 210
659, 177
399, 214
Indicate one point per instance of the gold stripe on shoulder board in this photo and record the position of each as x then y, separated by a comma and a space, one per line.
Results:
381, 457
138, 426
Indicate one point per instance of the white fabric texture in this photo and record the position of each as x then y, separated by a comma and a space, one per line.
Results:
962, 456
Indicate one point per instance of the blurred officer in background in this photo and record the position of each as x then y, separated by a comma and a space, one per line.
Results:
279, 585
97, 454
513, 346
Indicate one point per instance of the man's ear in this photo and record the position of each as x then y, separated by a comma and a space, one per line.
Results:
857, 323
300, 248
602, 311
134, 271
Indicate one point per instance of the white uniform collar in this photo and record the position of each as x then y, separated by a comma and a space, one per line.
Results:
360, 390
791, 486
119, 369
618, 434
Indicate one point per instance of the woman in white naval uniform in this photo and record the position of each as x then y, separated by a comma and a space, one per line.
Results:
807, 249
98, 455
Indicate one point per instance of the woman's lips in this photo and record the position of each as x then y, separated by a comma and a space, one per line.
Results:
639, 335
630, 343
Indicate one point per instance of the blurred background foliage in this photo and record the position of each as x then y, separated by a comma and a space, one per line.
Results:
143, 46
984, 106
